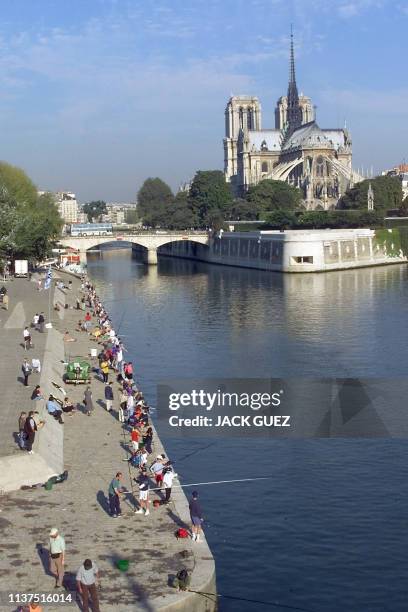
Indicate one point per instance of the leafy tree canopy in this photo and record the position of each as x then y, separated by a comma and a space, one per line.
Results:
180, 214
29, 223
16, 185
95, 209
243, 210
153, 199
210, 197
387, 194
274, 195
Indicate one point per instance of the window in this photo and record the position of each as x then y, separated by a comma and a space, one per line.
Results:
264, 166
302, 259
249, 118
320, 166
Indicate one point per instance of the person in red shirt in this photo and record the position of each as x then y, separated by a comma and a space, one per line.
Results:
88, 317
134, 436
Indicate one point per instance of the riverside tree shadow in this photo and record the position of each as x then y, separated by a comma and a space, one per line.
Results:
137, 590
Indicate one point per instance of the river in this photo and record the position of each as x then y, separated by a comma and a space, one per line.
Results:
328, 531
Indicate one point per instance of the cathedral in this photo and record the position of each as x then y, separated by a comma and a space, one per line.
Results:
297, 151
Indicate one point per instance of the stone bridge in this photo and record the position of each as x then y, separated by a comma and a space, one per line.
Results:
151, 241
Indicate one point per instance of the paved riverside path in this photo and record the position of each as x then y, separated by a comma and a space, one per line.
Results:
25, 301
94, 449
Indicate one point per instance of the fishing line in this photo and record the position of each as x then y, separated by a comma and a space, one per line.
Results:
257, 601
198, 484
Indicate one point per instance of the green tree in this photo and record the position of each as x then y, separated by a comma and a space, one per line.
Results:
95, 210
180, 214
153, 200
387, 194
210, 197
281, 219
274, 195
243, 210
15, 184
29, 223
131, 216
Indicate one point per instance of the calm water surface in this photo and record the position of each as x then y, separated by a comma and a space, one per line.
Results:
328, 531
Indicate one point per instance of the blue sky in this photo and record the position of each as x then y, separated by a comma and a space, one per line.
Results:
97, 95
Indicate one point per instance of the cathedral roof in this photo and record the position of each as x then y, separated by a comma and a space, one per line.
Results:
337, 137
272, 138
308, 135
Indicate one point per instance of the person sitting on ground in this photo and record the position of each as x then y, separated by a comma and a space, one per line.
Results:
68, 338
37, 393
68, 406
54, 410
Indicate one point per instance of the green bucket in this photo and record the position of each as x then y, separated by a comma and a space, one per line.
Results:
123, 565
48, 484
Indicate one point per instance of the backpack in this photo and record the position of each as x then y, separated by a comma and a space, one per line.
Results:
182, 533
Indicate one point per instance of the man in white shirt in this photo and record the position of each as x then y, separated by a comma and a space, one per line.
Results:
57, 556
87, 576
168, 476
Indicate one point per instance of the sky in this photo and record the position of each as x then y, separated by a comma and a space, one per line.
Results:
98, 95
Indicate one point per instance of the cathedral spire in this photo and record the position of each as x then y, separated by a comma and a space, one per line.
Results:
294, 117
292, 75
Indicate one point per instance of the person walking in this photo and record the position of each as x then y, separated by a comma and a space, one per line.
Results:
57, 556
143, 482
26, 370
87, 580
6, 301
88, 401
168, 477
196, 516
30, 427
26, 338
115, 491
109, 396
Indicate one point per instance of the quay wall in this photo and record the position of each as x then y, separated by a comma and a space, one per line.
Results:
22, 469
296, 251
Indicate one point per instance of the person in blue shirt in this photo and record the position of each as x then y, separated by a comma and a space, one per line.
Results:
54, 409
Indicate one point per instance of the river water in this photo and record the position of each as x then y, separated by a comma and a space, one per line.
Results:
328, 531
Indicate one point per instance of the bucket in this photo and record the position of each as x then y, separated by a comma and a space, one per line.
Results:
123, 565
48, 484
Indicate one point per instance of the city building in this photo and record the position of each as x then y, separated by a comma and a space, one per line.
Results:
67, 206
297, 150
400, 172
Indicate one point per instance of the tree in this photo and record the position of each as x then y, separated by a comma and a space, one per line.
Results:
281, 219
95, 210
243, 210
387, 194
180, 213
131, 216
274, 195
153, 200
29, 223
210, 197
15, 184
